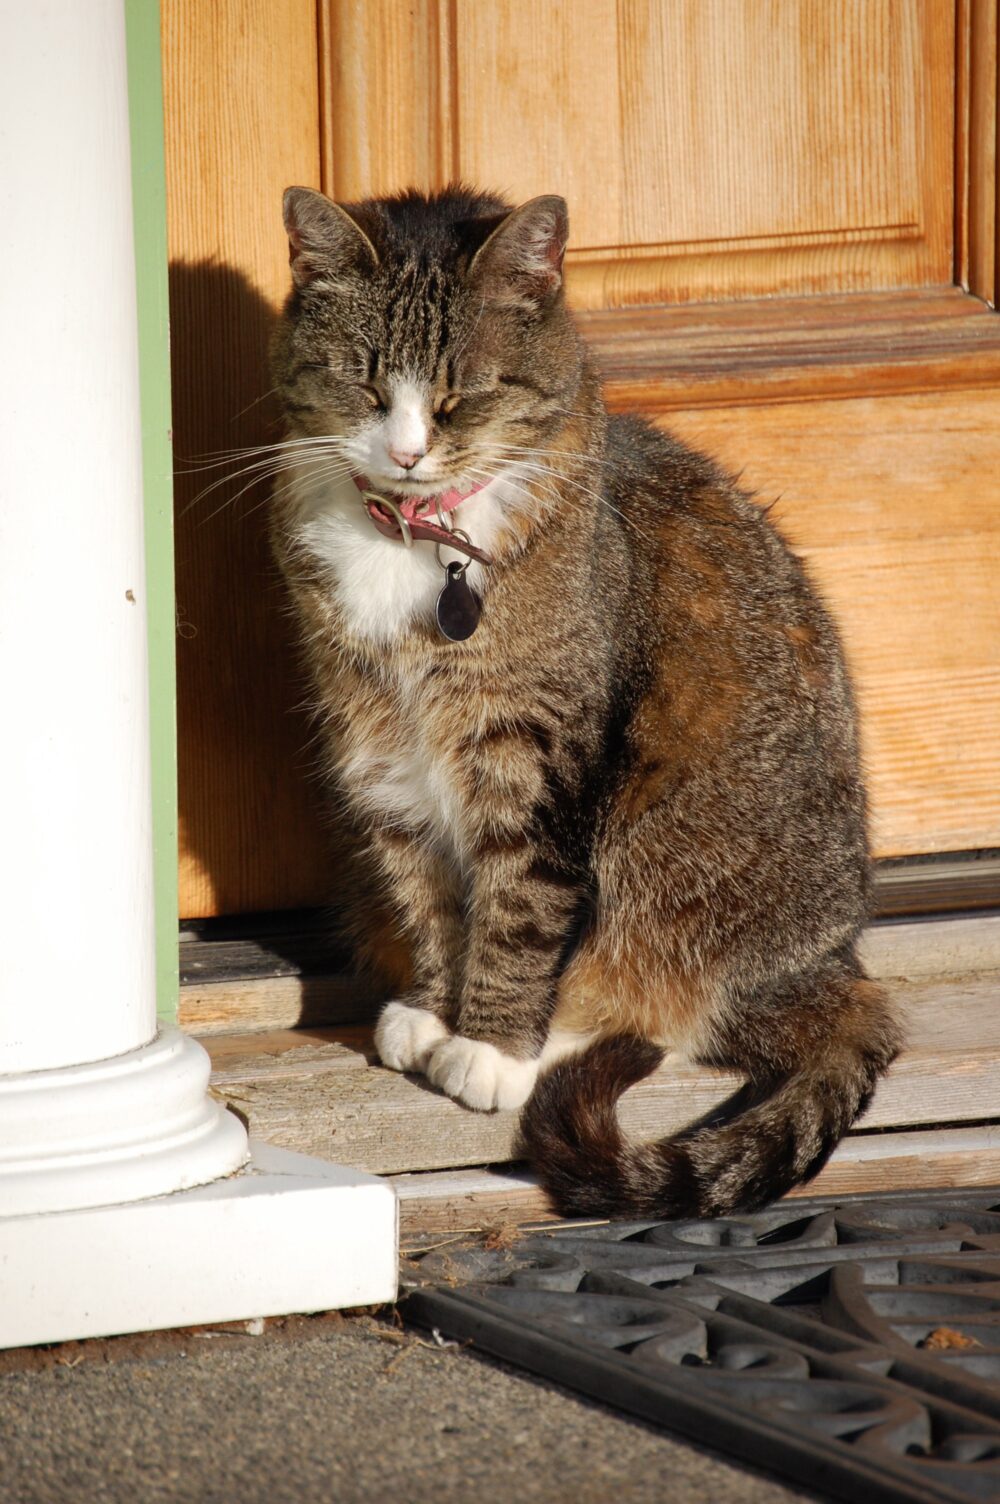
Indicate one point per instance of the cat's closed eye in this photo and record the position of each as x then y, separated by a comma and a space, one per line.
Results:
447, 405
374, 396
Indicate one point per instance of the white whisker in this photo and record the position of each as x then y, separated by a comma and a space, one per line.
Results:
310, 467
549, 472
217, 457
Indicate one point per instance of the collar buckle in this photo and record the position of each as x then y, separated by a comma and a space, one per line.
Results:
397, 515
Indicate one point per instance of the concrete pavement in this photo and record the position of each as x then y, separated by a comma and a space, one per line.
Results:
341, 1409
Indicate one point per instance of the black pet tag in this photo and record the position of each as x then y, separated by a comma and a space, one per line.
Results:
458, 609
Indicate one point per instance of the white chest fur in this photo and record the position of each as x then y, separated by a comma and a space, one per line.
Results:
382, 587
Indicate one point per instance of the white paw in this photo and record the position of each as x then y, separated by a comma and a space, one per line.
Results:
480, 1075
405, 1036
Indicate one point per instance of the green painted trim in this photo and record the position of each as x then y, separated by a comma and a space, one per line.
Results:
149, 209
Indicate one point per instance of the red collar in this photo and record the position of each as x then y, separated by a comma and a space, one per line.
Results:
413, 507
408, 518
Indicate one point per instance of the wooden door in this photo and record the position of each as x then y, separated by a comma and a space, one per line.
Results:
783, 246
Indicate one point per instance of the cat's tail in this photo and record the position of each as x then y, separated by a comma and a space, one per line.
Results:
776, 1132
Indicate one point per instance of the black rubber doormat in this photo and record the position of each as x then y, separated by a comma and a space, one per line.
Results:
852, 1346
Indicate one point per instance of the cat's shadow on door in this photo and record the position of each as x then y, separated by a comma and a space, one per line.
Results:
251, 829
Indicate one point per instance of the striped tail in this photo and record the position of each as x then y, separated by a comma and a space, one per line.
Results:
752, 1149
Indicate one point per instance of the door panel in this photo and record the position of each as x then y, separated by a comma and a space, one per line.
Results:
708, 148
805, 147
892, 501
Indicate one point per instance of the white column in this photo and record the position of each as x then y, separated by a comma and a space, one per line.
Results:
76, 904
94, 1107
99, 1112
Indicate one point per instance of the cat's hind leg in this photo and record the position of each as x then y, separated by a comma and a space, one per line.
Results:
813, 1047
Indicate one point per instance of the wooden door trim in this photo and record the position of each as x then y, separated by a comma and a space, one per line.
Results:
410, 48
977, 122
664, 358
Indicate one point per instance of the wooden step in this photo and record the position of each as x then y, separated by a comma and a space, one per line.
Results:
322, 1091
278, 971
449, 1202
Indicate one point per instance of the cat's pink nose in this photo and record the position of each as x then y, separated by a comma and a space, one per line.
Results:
406, 458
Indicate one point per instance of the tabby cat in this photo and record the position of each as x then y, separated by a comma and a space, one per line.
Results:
602, 751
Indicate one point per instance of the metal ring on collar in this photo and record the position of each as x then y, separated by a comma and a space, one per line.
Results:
456, 532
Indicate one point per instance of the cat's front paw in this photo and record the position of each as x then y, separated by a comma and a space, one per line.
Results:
480, 1075
405, 1036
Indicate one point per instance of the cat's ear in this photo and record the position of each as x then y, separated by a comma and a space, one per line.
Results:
323, 239
522, 261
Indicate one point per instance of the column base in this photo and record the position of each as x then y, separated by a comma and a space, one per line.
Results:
135, 1125
287, 1233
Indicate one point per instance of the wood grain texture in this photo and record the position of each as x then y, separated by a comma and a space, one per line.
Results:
287, 1002
943, 948
458, 1201
242, 122
799, 147
893, 502
323, 1092
658, 360
386, 98
944, 885
977, 222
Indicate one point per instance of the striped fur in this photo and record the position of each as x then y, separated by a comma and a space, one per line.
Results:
819, 1044
628, 813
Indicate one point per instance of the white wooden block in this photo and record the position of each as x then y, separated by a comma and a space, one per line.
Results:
286, 1233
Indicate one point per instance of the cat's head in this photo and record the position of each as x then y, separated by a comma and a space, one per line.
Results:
429, 334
